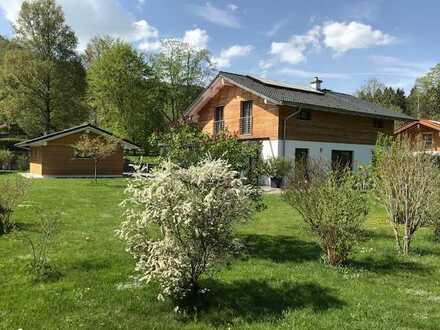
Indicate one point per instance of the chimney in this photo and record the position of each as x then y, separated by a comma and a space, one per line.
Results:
316, 84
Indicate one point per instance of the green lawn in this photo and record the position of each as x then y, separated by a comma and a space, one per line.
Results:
280, 282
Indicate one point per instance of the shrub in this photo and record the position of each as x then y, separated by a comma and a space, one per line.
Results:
40, 267
194, 211
187, 145
5, 157
408, 184
12, 192
331, 205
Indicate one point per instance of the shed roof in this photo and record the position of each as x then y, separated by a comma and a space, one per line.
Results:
83, 127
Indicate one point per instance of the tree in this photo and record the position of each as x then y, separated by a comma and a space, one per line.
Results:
331, 204
41, 28
376, 92
195, 210
424, 99
95, 48
43, 79
181, 72
95, 148
407, 182
121, 93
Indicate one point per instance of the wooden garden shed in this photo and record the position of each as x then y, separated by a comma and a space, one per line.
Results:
53, 154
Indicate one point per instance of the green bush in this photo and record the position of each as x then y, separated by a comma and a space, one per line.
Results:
332, 206
278, 167
187, 145
5, 157
13, 189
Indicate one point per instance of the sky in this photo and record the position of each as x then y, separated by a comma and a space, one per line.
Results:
345, 43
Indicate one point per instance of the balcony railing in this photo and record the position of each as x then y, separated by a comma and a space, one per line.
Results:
246, 125
219, 125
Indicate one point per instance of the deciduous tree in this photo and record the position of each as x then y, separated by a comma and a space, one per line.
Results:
120, 89
95, 148
182, 72
43, 78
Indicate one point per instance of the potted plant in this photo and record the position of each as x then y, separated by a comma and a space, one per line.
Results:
277, 168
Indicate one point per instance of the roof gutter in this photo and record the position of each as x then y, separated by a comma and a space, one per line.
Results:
293, 114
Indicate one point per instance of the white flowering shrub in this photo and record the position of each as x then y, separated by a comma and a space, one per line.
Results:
178, 223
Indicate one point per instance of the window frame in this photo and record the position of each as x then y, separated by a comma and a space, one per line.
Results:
431, 135
249, 113
218, 123
304, 114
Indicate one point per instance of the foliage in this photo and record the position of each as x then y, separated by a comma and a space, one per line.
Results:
120, 92
278, 167
408, 184
42, 78
386, 96
95, 148
13, 190
41, 28
331, 205
5, 157
195, 210
48, 227
181, 72
95, 48
424, 98
187, 145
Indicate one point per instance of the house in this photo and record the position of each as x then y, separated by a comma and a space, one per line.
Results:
426, 130
293, 121
53, 154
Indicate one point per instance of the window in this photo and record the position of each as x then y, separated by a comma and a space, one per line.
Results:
378, 123
342, 159
301, 155
218, 119
427, 141
246, 117
304, 115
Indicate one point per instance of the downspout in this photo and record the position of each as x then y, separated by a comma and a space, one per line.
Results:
285, 128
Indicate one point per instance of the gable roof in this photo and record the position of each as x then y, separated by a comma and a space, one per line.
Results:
294, 95
83, 127
424, 122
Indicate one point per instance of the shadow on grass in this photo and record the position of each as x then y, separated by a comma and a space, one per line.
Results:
389, 265
366, 235
91, 265
258, 301
280, 248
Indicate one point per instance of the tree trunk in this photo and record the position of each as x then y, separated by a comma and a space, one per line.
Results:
406, 244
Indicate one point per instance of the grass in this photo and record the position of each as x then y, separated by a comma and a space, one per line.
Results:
279, 282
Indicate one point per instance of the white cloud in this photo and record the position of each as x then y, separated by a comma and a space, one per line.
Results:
293, 51
98, 17
342, 37
265, 64
226, 55
215, 15
196, 38
232, 7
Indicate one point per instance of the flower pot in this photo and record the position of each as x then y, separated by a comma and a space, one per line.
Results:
275, 181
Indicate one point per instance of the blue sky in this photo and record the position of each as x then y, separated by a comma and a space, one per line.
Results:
344, 42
